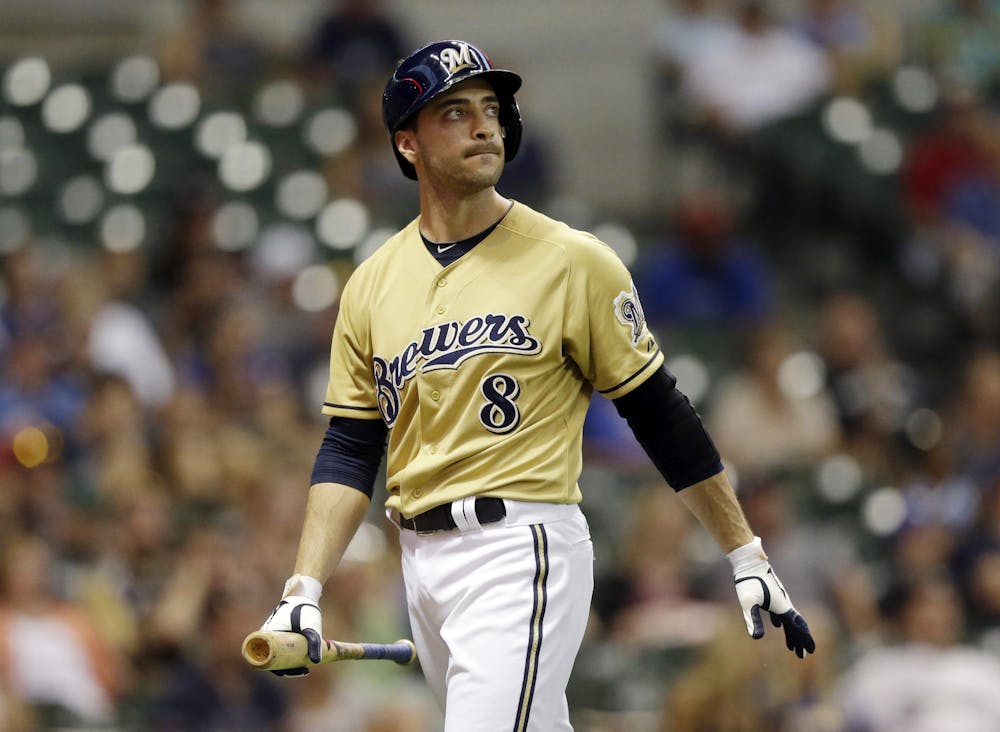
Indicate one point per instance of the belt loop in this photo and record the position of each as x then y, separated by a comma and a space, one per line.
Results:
464, 513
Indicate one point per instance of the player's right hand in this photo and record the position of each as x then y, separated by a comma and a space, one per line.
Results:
298, 612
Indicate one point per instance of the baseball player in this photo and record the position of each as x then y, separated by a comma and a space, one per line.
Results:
472, 342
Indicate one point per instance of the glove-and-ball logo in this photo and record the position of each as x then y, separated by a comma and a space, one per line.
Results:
629, 313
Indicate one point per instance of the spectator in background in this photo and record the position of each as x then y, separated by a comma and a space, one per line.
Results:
923, 679
647, 600
706, 274
215, 689
761, 420
724, 689
71, 674
961, 42
683, 31
975, 424
354, 42
762, 73
949, 150
115, 335
873, 391
860, 41
977, 568
208, 48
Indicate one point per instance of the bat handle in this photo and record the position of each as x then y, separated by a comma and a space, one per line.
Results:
402, 651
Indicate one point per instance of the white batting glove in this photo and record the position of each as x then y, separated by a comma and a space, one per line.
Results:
758, 587
299, 612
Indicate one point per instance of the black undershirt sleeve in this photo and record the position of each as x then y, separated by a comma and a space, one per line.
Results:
670, 431
351, 453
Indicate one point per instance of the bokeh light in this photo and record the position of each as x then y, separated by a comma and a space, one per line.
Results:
839, 478
235, 226
301, 194
18, 170
802, 375
66, 108
134, 78
130, 169
15, 229
81, 199
882, 152
123, 228
343, 223
331, 131
26, 81
245, 166
11, 132
31, 447
315, 288
175, 106
620, 238
915, 89
218, 131
924, 429
847, 120
692, 376
279, 103
884, 511
109, 133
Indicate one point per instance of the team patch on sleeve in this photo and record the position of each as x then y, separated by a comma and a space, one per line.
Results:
629, 313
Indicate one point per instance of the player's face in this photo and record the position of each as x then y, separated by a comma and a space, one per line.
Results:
457, 138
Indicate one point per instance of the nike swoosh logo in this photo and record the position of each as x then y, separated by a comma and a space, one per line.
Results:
443, 249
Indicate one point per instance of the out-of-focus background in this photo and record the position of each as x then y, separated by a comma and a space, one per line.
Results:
808, 193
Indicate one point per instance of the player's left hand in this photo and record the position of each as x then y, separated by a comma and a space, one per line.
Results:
757, 588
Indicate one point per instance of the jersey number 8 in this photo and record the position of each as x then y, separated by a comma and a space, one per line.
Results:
500, 414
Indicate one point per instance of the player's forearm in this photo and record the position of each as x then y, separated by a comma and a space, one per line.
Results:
713, 502
333, 514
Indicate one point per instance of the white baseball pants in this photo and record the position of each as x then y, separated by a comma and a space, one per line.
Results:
498, 613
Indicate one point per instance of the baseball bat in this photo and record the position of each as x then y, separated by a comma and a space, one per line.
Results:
279, 650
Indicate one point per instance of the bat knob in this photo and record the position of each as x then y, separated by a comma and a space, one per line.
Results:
413, 652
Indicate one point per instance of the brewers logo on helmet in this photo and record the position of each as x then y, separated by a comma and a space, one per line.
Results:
433, 69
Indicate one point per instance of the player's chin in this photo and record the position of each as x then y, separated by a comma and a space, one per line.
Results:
483, 175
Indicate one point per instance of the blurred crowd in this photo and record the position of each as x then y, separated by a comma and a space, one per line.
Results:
823, 270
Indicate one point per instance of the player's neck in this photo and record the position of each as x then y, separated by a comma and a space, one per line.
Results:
455, 219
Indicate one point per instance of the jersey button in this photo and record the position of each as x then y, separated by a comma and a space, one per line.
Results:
435, 395
442, 282
440, 309
417, 493
434, 450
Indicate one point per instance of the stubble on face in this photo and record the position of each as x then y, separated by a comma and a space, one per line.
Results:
454, 159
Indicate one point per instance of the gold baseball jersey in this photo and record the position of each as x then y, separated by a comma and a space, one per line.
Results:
483, 369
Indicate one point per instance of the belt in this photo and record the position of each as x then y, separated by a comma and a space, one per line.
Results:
488, 511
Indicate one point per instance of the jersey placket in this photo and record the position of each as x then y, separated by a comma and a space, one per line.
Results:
432, 387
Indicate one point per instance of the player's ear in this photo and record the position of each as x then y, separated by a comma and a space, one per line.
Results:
406, 142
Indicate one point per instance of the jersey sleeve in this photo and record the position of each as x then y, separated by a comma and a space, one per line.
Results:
605, 331
350, 391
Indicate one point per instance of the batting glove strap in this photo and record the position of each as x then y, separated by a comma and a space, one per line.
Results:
757, 588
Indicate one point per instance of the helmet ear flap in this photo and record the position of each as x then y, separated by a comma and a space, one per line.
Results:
510, 121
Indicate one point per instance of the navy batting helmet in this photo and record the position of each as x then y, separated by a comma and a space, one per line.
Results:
433, 69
